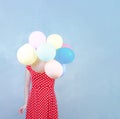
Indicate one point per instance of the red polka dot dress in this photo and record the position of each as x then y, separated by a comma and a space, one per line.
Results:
42, 102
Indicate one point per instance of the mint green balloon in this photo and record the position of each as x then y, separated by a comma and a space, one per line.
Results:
46, 52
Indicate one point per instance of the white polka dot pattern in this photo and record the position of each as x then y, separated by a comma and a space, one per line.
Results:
42, 102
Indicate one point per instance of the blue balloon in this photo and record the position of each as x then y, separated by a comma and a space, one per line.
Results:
64, 55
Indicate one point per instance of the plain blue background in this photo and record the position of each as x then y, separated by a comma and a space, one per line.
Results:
90, 87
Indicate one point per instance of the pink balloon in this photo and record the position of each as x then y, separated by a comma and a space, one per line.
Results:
66, 45
53, 69
36, 38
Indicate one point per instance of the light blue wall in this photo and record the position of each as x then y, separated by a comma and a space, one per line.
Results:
90, 88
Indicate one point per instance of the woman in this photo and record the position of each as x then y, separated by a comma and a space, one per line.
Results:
40, 99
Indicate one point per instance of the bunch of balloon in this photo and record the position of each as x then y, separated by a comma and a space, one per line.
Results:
47, 55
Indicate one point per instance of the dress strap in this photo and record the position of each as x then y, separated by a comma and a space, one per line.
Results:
28, 67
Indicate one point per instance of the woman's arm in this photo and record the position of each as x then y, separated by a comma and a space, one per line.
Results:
27, 86
26, 91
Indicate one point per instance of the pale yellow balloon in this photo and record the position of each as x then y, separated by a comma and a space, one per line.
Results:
56, 40
26, 54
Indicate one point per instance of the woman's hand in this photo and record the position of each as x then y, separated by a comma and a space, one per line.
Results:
21, 109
